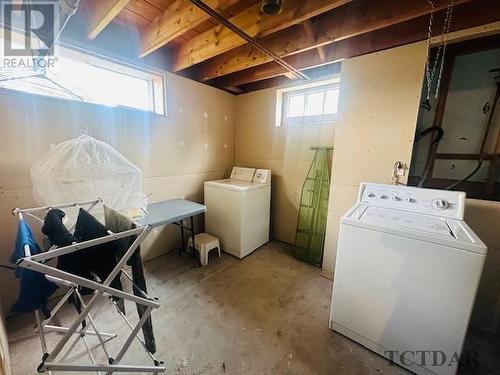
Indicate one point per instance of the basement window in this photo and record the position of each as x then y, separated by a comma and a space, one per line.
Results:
306, 104
83, 76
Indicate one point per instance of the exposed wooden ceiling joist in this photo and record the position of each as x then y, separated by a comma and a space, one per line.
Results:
220, 39
353, 19
102, 12
308, 34
312, 37
465, 17
389, 37
180, 17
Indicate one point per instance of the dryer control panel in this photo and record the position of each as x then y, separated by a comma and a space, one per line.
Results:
262, 176
435, 202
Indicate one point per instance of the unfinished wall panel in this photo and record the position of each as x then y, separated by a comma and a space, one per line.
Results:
283, 149
379, 100
177, 153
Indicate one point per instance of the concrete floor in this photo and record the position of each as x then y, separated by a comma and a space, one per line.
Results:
266, 314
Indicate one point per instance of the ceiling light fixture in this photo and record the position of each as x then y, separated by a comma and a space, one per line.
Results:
272, 7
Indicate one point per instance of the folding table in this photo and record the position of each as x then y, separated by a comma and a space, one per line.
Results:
174, 211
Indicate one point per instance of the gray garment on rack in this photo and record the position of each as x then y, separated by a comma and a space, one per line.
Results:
117, 223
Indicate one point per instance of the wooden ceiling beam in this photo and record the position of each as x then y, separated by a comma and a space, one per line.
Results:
466, 16
314, 74
312, 37
102, 12
220, 39
355, 18
180, 17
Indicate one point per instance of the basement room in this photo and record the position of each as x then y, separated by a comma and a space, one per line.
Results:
250, 187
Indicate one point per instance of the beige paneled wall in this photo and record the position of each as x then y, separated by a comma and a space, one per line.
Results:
380, 96
379, 101
177, 153
283, 149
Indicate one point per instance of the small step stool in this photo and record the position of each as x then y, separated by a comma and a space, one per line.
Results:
204, 243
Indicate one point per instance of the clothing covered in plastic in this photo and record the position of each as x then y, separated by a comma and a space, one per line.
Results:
84, 169
35, 289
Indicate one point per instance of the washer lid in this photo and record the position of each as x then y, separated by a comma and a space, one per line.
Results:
235, 185
445, 231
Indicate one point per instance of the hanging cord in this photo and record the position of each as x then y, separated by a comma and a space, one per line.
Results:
482, 152
439, 60
478, 167
437, 129
434, 144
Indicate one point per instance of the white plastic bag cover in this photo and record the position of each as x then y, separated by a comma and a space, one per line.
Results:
84, 169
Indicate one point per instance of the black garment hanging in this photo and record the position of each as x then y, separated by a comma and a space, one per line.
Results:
94, 262
55, 230
117, 223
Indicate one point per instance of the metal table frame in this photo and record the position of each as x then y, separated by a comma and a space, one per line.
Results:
178, 210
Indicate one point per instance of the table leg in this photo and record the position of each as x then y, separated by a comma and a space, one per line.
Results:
195, 252
183, 239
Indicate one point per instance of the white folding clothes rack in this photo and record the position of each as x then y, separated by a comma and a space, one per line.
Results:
50, 362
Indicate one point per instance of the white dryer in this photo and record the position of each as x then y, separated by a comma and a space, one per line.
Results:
406, 276
238, 210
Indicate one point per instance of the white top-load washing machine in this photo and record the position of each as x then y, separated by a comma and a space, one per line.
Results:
238, 210
406, 276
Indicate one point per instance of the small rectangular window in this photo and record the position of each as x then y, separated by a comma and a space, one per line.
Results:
311, 103
295, 106
90, 78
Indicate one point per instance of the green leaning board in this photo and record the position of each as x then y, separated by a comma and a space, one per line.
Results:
313, 210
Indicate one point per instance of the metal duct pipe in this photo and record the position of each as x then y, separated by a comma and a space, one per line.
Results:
211, 12
272, 7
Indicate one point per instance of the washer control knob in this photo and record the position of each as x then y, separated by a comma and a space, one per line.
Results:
371, 195
440, 204
383, 196
410, 200
396, 198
